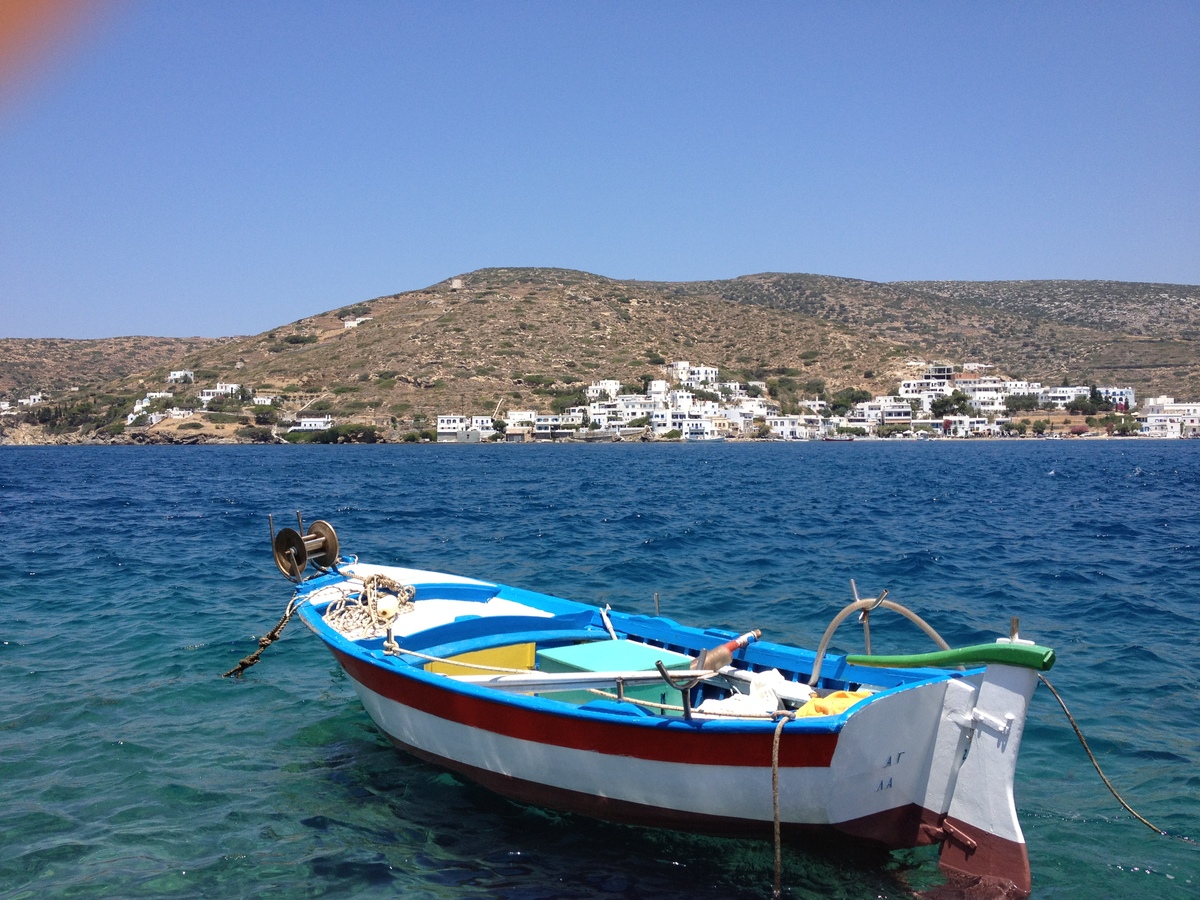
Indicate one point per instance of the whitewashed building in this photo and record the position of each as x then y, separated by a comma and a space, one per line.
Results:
925, 390
313, 423
1119, 397
607, 388
518, 417
967, 426
221, 390
691, 376
1163, 417
1059, 397
448, 427
887, 410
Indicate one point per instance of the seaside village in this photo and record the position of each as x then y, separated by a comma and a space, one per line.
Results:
691, 403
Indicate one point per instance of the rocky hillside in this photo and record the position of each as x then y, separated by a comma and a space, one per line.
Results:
533, 337
29, 365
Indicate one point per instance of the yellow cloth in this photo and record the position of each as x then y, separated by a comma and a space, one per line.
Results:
832, 704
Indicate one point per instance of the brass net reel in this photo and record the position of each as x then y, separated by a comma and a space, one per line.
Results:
294, 550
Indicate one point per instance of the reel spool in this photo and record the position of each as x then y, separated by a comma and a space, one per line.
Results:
293, 550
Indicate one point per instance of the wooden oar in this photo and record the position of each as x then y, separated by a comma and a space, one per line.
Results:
533, 682
1029, 656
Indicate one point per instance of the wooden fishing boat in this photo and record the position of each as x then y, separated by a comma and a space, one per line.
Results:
638, 719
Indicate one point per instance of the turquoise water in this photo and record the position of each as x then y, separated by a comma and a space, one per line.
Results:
134, 576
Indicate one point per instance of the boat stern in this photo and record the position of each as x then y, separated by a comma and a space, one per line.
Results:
983, 848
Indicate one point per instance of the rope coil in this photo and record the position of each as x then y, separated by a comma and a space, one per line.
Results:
356, 618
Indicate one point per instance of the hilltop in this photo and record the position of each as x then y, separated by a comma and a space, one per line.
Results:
522, 337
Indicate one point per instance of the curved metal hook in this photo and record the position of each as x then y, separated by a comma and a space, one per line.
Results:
683, 685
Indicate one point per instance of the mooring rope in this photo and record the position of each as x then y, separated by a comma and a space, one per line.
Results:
1092, 757
264, 642
784, 717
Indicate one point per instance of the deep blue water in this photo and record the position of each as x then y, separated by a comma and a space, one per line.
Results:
132, 577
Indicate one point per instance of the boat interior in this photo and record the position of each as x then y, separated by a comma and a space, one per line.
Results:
495, 637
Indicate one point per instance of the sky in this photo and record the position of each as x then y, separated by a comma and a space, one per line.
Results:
224, 167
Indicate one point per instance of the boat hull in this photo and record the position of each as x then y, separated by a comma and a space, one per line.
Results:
925, 760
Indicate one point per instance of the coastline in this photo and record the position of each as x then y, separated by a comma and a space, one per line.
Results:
25, 435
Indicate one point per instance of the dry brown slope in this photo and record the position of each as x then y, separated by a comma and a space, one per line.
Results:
439, 350
53, 364
443, 350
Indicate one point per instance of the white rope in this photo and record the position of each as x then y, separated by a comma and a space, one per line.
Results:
360, 617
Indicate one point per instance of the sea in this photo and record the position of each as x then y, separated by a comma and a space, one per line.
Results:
133, 577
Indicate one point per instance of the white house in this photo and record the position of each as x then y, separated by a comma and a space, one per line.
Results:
313, 423
1059, 397
924, 390
544, 426
1164, 417
689, 424
151, 418
448, 427
1119, 397
517, 417
887, 410
790, 428
354, 323
221, 390
657, 390
634, 406
988, 394
484, 425
965, 426
575, 417
182, 376
685, 373
607, 388
604, 414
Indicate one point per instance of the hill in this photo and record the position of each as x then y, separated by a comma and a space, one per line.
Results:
29, 365
535, 337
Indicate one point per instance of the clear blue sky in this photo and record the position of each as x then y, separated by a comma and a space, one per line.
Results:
217, 168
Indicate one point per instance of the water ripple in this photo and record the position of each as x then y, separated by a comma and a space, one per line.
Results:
137, 575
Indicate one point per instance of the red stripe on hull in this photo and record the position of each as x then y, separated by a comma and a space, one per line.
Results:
638, 738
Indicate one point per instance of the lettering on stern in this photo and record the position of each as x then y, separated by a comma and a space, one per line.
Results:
885, 784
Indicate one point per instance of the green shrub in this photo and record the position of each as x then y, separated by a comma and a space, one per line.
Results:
255, 434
